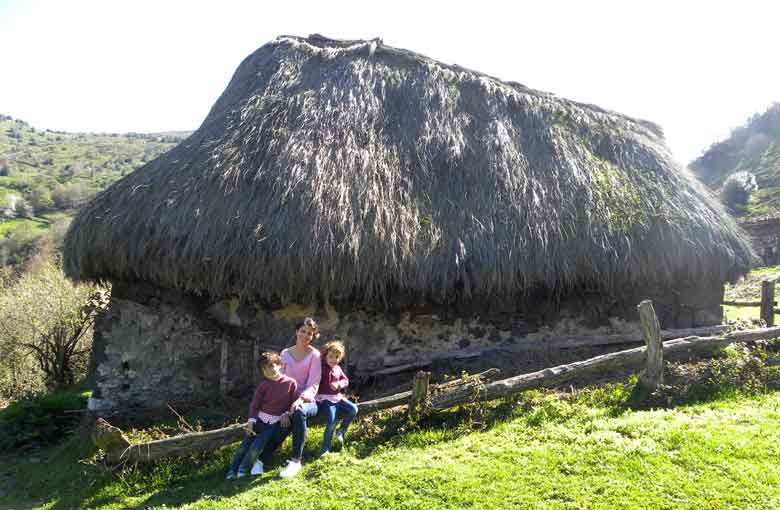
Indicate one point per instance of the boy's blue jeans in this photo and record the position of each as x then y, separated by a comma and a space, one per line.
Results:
348, 409
250, 448
299, 426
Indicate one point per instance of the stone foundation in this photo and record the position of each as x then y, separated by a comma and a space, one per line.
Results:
155, 346
765, 235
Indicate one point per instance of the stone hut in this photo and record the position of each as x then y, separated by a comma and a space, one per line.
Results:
765, 233
413, 207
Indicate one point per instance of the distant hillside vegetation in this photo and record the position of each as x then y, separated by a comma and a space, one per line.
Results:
754, 148
45, 175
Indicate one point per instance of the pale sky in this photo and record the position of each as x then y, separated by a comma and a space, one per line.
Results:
696, 68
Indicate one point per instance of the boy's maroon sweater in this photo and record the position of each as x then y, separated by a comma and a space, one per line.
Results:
333, 379
274, 397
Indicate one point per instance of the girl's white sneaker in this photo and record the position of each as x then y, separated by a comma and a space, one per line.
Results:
291, 469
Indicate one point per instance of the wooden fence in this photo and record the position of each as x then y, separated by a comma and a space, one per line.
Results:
427, 398
767, 302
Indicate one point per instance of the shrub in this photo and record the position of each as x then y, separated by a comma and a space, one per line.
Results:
39, 418
741, 369
46, 316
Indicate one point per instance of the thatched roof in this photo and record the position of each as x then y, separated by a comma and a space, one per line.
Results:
351, 169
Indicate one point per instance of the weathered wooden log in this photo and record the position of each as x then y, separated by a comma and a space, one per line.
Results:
745, 303
596, 341
767, 302
429, 358
176, 446
256, 351
224, 366
654, 371
563, 373
402, 398
418, 402
110, 439
488, 375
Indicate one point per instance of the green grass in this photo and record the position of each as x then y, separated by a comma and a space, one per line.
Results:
539, 451
37, 225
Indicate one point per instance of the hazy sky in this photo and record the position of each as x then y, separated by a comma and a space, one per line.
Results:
696, 68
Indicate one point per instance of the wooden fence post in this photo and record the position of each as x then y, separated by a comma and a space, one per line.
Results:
256, 357
418, 402
654, 374
767, 302
223, 368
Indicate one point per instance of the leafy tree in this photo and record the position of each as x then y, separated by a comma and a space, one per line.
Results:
22, 209
45, 316
41, 201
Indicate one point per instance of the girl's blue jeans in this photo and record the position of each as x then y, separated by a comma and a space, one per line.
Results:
250, 448
347, 408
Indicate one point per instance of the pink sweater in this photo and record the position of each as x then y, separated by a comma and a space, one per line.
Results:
306, 372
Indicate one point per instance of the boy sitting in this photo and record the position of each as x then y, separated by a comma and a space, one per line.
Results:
268, 414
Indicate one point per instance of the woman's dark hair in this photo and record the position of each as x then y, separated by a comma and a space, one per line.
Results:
308, 321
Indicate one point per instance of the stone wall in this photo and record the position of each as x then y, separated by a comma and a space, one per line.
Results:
766, 239
155, 346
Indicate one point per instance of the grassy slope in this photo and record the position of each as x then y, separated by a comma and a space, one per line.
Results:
766, 167
743, 152
540, 452
46, 160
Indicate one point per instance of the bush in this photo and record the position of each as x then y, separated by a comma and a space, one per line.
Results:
47, 317
41, 201
18, 246
39, 418
741, 370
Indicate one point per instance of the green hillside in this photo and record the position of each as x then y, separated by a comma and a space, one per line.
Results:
45, 175
755, 148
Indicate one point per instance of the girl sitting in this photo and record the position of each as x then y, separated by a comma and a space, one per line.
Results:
329, 398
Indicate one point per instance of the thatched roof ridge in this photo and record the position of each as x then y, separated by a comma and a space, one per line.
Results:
350, 169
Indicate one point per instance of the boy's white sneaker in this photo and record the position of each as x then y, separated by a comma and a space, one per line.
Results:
291, 469
340, 440
257, 469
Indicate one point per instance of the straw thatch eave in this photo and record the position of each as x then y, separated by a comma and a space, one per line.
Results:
350, 169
